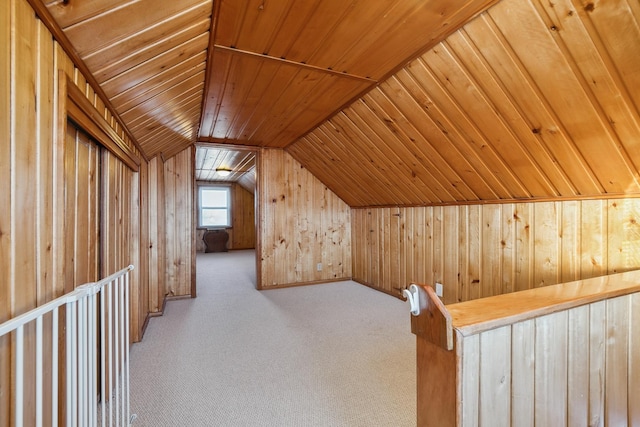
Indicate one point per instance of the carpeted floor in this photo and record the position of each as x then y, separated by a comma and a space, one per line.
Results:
337, 354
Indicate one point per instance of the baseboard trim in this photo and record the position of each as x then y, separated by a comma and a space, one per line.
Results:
292, 285
144, 326
161, 312
369, 285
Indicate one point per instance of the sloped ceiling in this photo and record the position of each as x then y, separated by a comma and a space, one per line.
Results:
280, 68
532, 99
240, 163
149, 57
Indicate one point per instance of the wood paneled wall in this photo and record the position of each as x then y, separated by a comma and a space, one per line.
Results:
30, 216
301, 224
116, 214
33, 158
82, 191
179, 223
139, 251
156, 235
577, 367
243, 212
482, 250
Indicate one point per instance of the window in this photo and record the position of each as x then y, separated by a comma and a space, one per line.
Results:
215, 206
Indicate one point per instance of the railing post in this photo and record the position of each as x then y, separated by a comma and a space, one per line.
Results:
80, 347
436, 361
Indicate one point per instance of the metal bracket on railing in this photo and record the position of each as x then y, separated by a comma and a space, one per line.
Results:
412, 295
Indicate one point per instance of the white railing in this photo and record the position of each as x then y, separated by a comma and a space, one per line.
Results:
96, 332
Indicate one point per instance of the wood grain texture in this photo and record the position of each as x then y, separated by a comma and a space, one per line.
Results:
568, 367
179, 206
434, 322
633, 381
550, 379
468, 387
82, 204
139, 277
45, 118
478, 117
597, 360
83, 112
5, 214
301, 224
382, 111
50, 217
156, 242
437, 385
522, 373
483, 250
617, 400
239, 161
24, 172
484, 314
301, 63
144, 50
69, 14
495, 378
72, 56
133, 18
243, 219
578, 369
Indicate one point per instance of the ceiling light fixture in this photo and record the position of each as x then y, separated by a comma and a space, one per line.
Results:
223, 172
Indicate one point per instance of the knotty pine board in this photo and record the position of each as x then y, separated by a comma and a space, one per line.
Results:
301, 223
482, 250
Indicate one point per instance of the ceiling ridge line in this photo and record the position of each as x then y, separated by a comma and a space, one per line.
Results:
298, 64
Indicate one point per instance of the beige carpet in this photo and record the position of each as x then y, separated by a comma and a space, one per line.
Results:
337, 354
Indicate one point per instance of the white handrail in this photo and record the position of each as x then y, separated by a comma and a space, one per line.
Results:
81, 345
73, 296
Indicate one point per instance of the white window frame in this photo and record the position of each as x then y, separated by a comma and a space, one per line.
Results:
204, 187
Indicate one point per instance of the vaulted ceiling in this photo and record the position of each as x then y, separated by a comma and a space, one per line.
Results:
388, 102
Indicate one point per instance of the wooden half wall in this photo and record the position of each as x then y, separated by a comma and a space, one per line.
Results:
483, 250
575, 367
304, 228
567, 356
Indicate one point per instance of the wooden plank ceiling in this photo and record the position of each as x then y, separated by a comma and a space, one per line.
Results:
387, 102
279, 68
240, 163
149, 57
532, 99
